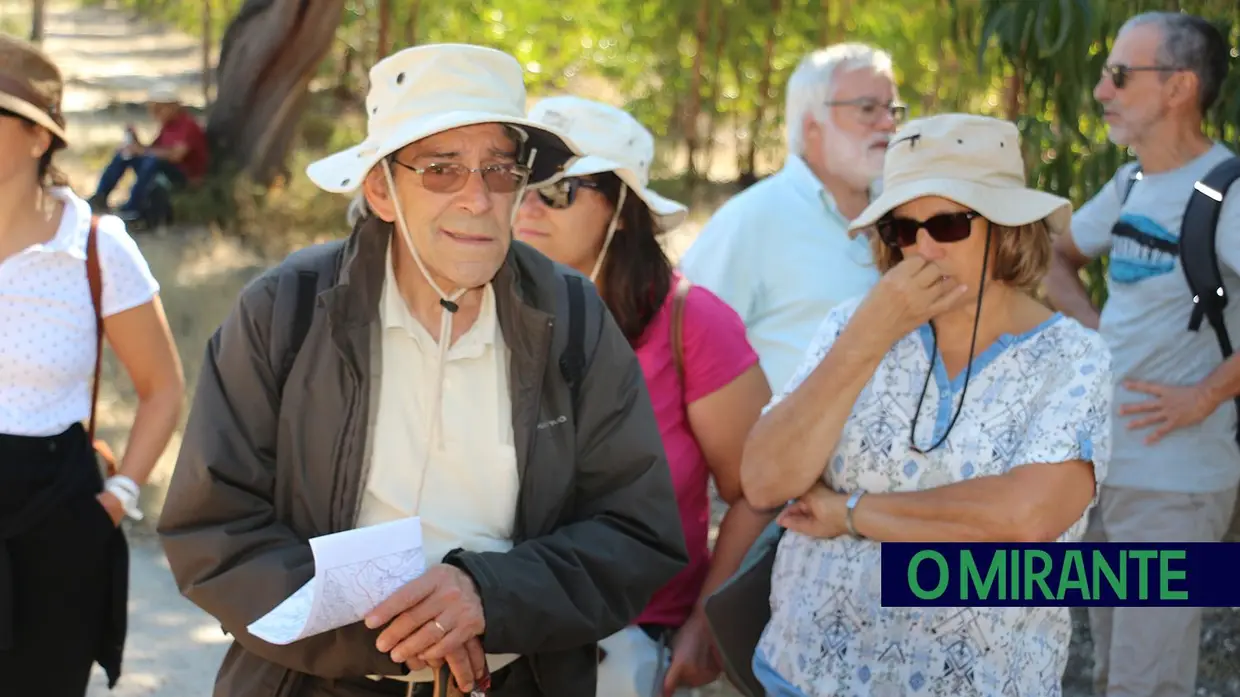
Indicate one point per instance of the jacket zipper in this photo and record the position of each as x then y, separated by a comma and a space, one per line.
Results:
349, 513
520, 531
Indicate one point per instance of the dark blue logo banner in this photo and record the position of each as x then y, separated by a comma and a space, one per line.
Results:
1060, 574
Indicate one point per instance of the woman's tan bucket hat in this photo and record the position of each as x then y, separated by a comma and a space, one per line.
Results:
973, 160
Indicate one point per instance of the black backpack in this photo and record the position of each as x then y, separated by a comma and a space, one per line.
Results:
1198, 253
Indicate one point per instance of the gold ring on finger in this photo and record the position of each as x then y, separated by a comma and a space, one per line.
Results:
438, 626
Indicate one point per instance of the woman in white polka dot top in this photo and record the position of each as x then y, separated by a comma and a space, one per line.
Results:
63, 558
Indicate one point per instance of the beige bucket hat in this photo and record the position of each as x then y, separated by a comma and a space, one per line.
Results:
31, 85
421, 91
973, 160
611, 140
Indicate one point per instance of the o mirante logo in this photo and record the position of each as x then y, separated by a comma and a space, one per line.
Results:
1060, 574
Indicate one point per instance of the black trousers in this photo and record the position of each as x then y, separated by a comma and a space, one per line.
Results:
63, 568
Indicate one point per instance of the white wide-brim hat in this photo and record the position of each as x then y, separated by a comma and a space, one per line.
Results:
611, 140
973, 160
425, 90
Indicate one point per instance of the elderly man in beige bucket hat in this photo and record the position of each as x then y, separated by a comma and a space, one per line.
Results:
428, 365
879, 437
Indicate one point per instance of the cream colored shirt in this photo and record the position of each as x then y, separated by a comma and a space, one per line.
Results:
464, 488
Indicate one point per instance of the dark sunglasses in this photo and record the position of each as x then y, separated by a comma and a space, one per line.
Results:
1119, 73
944, 227
562, 193
451, 177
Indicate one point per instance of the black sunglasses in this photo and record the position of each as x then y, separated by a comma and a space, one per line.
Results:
1120, 73
944, 227
562, 193
449, 178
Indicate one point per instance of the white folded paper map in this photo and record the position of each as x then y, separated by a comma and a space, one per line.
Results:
354, 571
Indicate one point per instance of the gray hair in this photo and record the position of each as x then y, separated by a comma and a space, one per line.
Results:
358, 209
812, 84
1190, 43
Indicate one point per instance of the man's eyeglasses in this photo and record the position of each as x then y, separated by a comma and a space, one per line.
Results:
561, 194
450, 178
872, 110
1119, 73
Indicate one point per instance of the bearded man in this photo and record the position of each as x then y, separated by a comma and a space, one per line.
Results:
780, 253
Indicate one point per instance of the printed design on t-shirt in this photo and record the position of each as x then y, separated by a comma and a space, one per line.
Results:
1141, 249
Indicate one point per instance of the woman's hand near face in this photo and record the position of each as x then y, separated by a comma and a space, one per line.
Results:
908, 296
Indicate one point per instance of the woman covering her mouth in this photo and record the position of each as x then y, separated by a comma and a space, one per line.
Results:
947, 405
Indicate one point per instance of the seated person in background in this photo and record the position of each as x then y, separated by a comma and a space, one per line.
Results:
179, 152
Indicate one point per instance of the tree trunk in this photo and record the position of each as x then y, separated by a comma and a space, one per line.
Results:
36, 20
826, 27
207, 41
763, 99
385, 20
721, 33
694, 112
411, 26
1015, 90
269, 54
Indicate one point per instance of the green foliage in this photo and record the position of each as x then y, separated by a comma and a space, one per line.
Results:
1033, 61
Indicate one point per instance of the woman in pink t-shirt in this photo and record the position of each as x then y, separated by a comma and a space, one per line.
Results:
601, 219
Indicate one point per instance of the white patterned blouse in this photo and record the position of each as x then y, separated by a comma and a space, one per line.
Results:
1042, 396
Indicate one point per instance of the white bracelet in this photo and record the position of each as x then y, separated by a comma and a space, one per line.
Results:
126, 491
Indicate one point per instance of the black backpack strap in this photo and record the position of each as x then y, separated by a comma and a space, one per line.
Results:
1134, 176
573, 360
1199, 254
303, 316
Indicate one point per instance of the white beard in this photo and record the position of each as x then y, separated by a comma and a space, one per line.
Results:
852, 159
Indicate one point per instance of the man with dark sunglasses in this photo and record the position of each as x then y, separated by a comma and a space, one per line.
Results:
1176, 463
780, 252
428, 366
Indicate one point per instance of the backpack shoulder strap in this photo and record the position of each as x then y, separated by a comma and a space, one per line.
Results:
1199, 254
573, 359
94, 276
303, 315
678, 327
1130, 178
313, 271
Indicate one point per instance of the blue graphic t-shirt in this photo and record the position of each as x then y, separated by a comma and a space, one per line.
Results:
1145, 322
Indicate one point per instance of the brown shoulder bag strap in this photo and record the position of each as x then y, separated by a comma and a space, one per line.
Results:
678, 328
94, 274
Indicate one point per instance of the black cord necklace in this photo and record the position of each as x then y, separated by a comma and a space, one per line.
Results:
934, 354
